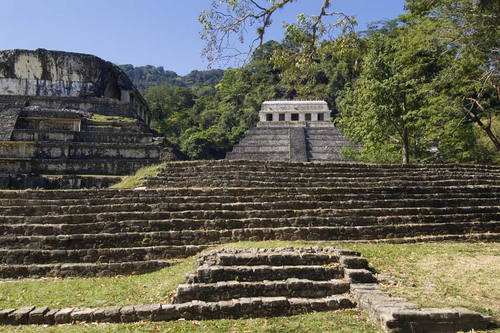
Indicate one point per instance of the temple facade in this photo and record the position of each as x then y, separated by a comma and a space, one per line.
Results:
294, 113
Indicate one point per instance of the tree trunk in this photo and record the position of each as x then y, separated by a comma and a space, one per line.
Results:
405, 149
487, 129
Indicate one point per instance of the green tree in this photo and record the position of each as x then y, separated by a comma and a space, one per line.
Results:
385, 109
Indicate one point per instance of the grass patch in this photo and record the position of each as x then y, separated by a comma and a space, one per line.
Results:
112, 119
430, 274
148, 288
137, 179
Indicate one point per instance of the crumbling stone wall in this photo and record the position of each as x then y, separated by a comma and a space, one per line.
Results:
64, 74
8, 118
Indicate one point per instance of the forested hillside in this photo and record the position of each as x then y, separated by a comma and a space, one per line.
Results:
150, 76
423, 87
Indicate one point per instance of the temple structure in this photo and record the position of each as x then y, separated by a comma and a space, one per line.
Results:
70, 120
292, 131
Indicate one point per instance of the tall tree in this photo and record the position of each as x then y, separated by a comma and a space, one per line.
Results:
385, 108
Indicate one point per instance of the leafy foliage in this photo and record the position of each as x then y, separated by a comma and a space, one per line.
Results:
423, 87
150, 76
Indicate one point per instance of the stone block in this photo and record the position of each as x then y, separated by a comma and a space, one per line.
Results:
21, 315
360, 276
49, 317
127, 314
354, 262
108, 314
5, 316
411, 315
82, 315
146, 312
37, 316
167, 312
63, 316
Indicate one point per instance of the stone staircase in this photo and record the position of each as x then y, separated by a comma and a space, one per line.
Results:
266, 144
235, 283
47, 151
193, 205
297, 144
285, 281
325, 144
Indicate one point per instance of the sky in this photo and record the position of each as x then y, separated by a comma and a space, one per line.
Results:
144, 32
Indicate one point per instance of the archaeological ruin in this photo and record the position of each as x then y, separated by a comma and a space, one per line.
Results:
71, 120
76, 123
297, 131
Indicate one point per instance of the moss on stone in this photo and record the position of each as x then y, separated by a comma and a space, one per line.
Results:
112, 119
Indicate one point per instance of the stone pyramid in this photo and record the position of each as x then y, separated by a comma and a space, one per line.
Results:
297, 131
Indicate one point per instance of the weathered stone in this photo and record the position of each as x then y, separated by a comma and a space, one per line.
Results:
5, 316
127, 314
146, 312
21, 315
37, 316
49, 317
82, 315
109, 314
63, 316
167, 312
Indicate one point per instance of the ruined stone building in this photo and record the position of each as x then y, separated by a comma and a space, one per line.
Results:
292, 131
70, 120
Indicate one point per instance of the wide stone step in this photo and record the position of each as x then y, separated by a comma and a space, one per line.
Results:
58, 150
303, 166
245, 206
322, 138
108, 166
212, 292
313, 156
467, 237
325, 147
328, 175
156, 198
262, 141
271, 259
82, 269
152, 182
56, 182
213, 274
325, 173
206, 237
85, 136
40, 229
195, 310
244, 149
268, 131
271, 156
236, 214
84, 194
106, 255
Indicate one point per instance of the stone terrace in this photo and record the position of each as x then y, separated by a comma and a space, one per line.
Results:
192, 205
233, 283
